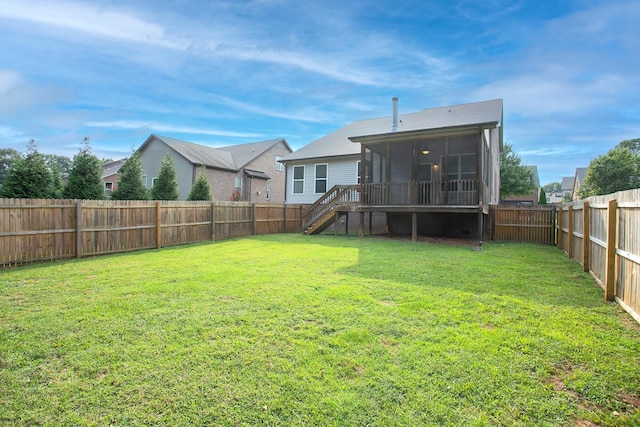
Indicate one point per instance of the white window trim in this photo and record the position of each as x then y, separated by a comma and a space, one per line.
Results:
358, 177
315, 178
268, 189
280, 167
294, 180
153, 181
235, 183
144, 180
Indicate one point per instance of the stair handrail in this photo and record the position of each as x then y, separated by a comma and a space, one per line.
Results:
326, 203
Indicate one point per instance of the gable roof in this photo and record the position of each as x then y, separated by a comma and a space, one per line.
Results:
245, 153
112, 168
337, 143
567, 183
231, 158
581, 173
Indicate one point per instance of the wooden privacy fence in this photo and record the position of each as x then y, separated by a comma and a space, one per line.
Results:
535, 224
602, 233
33, 230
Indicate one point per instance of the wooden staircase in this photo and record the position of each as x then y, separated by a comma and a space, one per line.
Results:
322, 213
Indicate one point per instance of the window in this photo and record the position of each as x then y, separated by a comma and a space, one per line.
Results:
153, 181
279, 166
144, 180
268, 189
298, 179
321, 178
108, 186
358, 171
461, 166
238, 183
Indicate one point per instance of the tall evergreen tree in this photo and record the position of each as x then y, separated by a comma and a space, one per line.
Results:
7, 157
58, 182
201, 189
29, 177
85, 176
131, 186
515, 178
542, 200
166, 185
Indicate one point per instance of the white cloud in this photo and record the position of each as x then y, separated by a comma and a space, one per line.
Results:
159, 127
8, 81
18, 94
91, 19
8, 133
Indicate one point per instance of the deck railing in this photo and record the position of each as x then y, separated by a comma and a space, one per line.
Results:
459, 192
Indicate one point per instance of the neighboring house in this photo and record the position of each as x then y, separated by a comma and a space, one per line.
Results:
566, 188
110, 176
554, 196
251, 171
564, 193
434, 172
578, 180
528, 199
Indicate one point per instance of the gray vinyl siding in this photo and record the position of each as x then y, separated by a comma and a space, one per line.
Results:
151, 157
341, 171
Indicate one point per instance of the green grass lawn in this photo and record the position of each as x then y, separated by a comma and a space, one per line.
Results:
316, 330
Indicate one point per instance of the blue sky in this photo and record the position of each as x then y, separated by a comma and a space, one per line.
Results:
229, 72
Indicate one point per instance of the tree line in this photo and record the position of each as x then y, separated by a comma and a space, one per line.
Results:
34, 175
618, 170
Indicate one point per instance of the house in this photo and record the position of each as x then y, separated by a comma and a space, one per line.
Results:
566, 187
578, 180
433, 173
249, 172
564, 193
530, 199
110, 176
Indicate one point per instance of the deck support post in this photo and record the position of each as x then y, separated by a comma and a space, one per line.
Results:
361, 224
346, 224
414, 227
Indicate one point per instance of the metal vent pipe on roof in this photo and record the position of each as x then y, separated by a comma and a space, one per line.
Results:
394, 123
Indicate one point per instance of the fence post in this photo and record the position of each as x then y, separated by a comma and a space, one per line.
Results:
284, 206
586, 234
554, 232
570, 235
79, 229
158, 227
612, 233
254, 224
559, 235
213, 220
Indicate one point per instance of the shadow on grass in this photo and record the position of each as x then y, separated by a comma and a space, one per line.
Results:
513, 271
